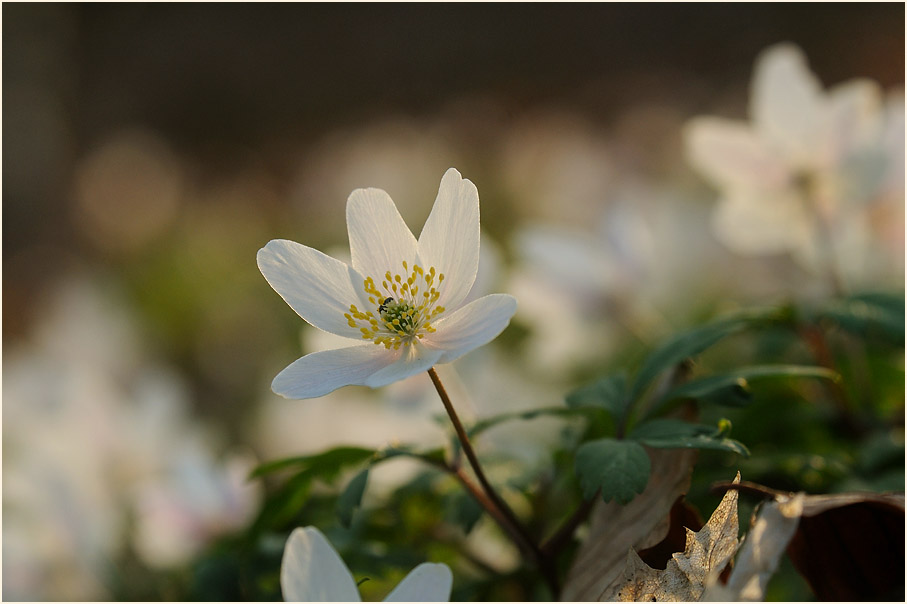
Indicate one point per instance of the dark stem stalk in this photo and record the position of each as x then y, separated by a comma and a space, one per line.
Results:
815, 339
556, 542
488, 497
824, 236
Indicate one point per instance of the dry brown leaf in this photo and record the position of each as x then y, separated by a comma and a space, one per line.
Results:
851, 546
816, 504
762, 549
848, 546
683, 517
706, 554
641, 524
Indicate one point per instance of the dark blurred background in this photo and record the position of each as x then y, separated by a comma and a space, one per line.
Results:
231, 83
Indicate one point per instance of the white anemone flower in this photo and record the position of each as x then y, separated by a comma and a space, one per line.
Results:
404, 297
808, 165
312, 571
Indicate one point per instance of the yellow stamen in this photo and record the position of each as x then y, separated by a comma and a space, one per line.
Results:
402, 307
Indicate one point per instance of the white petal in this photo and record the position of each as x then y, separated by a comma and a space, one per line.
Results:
786, 100
731, 154
318, 373
450, 238
892, 141
426, 583
412, 359
312, 571
471, 326
379, 239
319, 288
762, 224
854, 114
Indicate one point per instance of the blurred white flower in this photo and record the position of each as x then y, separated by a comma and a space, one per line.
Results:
312, 571
414, 318
194, 500
87, 419
642, 263
802, 176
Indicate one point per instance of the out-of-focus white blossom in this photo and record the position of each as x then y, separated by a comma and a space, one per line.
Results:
193, 500
809, 170
87, 420
639, 265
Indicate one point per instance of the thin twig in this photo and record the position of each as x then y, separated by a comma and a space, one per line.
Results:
491, 501
751, 488
554, 544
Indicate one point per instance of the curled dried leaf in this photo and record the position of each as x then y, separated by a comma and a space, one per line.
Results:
616, 528
706, 554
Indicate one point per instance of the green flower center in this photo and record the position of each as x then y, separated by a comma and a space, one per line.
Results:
403, 307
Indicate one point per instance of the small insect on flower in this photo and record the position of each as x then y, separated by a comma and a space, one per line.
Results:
383, 307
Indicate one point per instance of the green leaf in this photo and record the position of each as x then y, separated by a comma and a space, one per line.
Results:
462, 510
609, 393
876, 314
433, 457
351, 498
666, 433
620, 468
694, 341
732, 388
490, 422
680, 347
280, 507
326, 462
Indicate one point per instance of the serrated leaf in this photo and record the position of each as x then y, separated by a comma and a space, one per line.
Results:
327, 462
705, 555
732, 388
762, 549
351, 497
695, 341
608, 393
848, 546
666, 433
620, 468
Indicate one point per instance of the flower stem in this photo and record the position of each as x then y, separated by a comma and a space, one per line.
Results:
562, 537
816, 340
824, 235
488, 497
